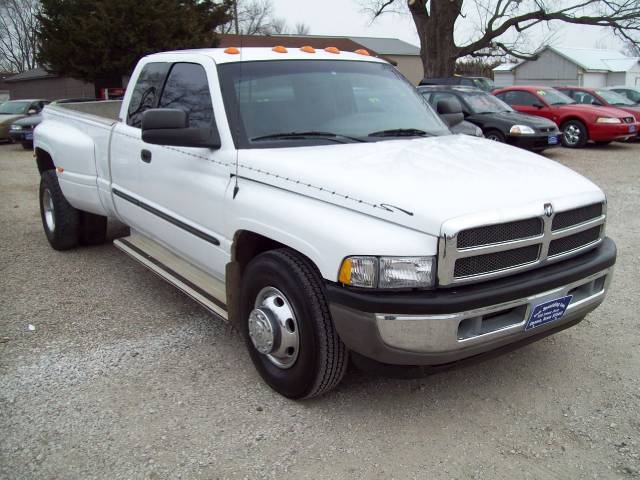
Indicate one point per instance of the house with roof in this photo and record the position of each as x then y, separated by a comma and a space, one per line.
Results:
38, 83
404, 56
586, 67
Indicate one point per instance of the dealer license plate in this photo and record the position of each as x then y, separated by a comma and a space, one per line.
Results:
553, 140
632, 129
28, 136
548, 312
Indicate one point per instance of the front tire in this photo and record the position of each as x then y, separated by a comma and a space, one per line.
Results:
496, 136
287, 326
27, 145
59, 219
574, 134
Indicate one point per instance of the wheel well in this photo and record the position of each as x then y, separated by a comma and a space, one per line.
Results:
246, 246
573, 119
44, 160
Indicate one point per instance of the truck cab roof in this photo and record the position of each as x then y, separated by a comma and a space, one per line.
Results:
255, 54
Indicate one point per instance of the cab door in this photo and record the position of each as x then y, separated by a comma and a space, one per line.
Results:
182, 189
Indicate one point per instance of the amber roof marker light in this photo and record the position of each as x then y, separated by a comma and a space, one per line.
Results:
279, 49
232, 51
332, 50
362, 51
308, 49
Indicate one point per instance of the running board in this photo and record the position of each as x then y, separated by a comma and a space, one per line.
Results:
203, 288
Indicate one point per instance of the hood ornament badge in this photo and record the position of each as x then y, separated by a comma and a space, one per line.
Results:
548, 209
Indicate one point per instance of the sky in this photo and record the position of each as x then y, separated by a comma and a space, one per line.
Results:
346, 18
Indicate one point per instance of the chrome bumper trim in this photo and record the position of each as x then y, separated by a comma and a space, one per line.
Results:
439, 334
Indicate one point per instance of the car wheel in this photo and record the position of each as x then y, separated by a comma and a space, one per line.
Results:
27, 145
59, 219
495, 135
574, 134
287, 326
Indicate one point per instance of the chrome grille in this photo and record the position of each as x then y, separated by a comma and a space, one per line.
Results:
576, 216
494, 262
503, 232
572, 242
476, 253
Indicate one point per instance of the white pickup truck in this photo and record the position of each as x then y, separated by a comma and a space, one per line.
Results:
315, 200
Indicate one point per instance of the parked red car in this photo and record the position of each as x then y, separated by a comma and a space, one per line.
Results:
579, 123
603, 98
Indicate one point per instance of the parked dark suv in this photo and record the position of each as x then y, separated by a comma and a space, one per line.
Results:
483, 83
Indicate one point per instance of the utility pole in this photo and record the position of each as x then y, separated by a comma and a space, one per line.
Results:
235, 16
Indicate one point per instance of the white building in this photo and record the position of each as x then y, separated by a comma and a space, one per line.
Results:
586, 67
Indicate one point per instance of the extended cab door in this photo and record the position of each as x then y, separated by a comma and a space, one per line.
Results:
181, 190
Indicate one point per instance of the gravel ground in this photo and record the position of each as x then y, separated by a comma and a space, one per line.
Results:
125, 377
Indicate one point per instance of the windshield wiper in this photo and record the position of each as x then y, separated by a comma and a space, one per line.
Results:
306, 135
401, 132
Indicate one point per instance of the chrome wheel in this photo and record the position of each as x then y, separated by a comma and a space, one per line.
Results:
47, 207
572, 135
273, 328
494, 137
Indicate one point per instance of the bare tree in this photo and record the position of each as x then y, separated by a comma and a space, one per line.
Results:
278, 26
18, 26
302, 28
631, 49
502, 25
254, 17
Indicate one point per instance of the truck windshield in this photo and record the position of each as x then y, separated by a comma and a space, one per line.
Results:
316, 102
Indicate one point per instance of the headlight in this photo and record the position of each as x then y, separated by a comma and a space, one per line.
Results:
388, 272
521, 130
16, 127
608, 120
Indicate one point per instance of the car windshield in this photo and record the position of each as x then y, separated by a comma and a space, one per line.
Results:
485, 84
555, 97
482, 102
614, 98
14, 108
313, 102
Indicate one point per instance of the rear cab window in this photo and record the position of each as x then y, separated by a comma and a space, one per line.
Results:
146, 92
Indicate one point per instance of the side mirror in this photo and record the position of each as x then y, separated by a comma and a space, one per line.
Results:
32, 111
538, 106
450, 111
170, 126
595, 102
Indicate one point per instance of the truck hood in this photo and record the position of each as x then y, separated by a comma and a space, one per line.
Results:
421, 183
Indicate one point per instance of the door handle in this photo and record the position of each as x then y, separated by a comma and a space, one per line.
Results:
145, 156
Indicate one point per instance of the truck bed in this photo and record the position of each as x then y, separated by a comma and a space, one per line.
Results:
106, 111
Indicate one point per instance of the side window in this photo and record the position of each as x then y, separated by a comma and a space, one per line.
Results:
583, 97
519, 97
436, 97
187, 89
146, 92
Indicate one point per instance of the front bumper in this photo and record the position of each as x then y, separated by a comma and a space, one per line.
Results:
538, 141
18, 136
602, 132
445, 326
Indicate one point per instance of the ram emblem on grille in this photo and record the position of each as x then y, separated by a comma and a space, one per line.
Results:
548, 209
